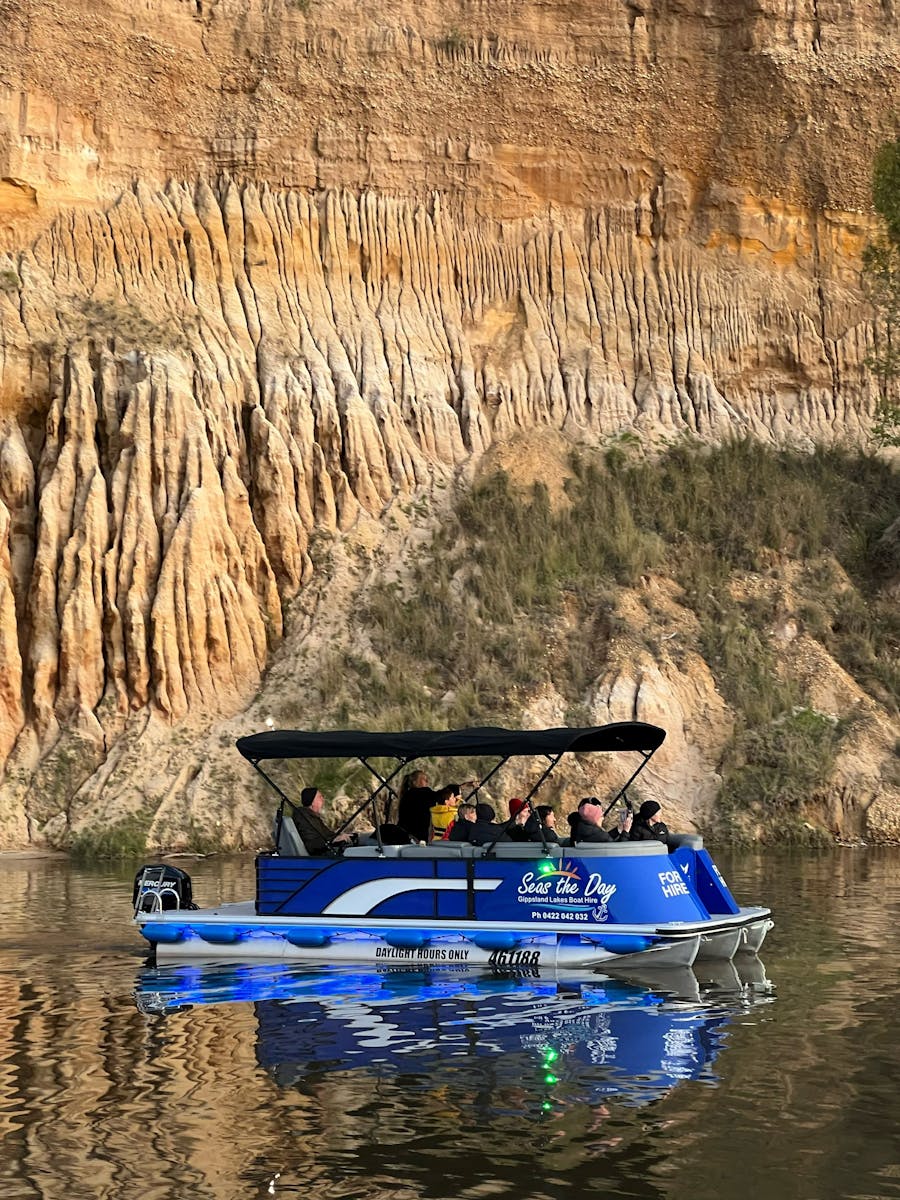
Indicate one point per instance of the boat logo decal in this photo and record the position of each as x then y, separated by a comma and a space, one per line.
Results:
567, 889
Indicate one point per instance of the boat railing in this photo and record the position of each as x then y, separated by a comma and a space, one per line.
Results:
372, 852
692, 841
515, 850
522, 850
616, 849
433, 850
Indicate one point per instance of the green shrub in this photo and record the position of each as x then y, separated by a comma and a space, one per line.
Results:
126, 839
775, 770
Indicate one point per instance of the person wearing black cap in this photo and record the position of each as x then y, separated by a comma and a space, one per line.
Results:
316, 835
586, 823
647, 825
485, 829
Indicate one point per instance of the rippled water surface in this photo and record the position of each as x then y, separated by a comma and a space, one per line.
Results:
776, 1078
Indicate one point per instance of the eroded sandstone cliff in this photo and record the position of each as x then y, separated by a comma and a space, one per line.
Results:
270, 266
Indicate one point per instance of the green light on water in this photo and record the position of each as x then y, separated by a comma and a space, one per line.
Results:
550, 1078
550, 1056
546, 1106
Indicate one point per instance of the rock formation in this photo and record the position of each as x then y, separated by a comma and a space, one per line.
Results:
268, 265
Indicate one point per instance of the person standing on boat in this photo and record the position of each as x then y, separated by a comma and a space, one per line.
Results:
317, 837
647, 825
416, 802
587, 823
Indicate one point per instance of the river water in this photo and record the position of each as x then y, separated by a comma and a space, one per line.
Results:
776, 1078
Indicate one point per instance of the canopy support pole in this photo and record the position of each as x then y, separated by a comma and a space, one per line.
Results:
481, 782
385, 783
285, 799
382, 783
553, 761
623, 791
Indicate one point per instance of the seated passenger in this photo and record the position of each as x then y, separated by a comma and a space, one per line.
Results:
547, 818
647, 825
461, 829
443, 814
525, 826
486, 830
316, 835
587, 823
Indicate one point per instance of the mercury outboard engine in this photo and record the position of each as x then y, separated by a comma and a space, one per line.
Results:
159, 888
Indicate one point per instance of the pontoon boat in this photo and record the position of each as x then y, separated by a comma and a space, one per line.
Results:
512, 904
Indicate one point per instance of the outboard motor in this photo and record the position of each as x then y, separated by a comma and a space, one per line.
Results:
160, 888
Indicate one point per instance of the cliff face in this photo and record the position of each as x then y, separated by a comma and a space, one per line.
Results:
558, 101
269, 266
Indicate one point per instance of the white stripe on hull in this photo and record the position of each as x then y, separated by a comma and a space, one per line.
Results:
360, 900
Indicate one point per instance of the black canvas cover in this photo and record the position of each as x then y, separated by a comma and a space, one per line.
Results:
450, 743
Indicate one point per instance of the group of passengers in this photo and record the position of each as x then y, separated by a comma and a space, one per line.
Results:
421, 805
477, 823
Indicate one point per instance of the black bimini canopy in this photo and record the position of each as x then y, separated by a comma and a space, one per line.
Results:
451, 743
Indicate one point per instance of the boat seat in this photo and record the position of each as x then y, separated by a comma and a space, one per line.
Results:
372, 852
289, 843
616, 849
434, 850
693, 841
525, 850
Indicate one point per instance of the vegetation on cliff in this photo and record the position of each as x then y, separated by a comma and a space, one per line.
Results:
515, 593
881, 277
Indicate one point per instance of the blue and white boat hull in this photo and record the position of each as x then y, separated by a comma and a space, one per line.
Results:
524, 906
233, 934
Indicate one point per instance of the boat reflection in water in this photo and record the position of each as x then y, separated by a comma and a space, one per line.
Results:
632, 1039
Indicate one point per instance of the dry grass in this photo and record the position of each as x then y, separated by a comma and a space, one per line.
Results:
514, 592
